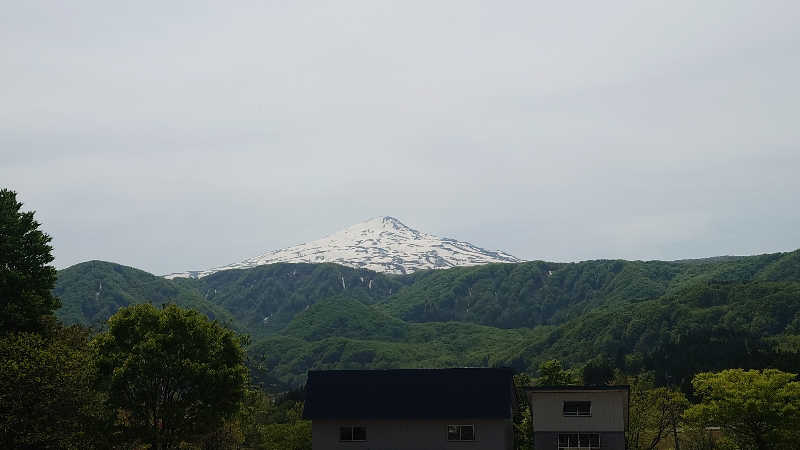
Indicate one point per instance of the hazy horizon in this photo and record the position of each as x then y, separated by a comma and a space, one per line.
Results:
174, 136
453, 237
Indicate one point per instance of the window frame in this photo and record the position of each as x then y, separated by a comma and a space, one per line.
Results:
578, 445
577, 404
459, 428
352, 433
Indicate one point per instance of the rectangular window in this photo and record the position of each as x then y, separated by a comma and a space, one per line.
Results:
352, 434
577, 409
461, 432
578, 441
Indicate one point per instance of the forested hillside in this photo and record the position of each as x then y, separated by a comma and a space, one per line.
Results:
267, 298
676, 318
92, 291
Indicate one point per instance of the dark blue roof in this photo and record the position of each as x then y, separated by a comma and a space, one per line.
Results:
410, 394
619, 387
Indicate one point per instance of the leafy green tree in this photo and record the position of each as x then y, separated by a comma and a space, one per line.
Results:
26, 279
227, 436
523, 422
294, 434
256, 410
46, 392
759, 409
552, 373
171, 373
655, 413
598, 372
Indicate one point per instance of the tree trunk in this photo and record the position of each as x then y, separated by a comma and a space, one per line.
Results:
760, 444
675, 435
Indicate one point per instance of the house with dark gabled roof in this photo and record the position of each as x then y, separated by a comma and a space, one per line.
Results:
411, 409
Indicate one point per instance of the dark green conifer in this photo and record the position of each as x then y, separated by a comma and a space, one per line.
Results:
26, 278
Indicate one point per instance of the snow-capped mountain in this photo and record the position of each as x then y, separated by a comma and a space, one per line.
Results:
382, 244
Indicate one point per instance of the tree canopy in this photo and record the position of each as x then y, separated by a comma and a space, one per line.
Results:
552, 373
46, 392
26, 278
760, 409
655, 413
173, 374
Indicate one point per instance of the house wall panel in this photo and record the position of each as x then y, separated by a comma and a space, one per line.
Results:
412, 435
609, 409
548, 440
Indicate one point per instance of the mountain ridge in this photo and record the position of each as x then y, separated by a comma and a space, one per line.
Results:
92, 291
381, 244
639, 314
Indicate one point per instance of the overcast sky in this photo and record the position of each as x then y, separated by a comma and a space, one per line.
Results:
185, 135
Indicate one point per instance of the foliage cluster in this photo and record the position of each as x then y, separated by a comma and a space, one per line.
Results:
161, 378
47, 392
758, 409
174, 374
26, 276
429, 345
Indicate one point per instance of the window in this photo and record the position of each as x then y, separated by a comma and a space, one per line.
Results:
578, 409
350, 434
461, 432
578, 441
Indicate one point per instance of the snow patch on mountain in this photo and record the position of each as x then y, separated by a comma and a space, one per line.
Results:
382, 244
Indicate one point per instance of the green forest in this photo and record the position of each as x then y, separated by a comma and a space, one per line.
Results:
639, 315
700, 342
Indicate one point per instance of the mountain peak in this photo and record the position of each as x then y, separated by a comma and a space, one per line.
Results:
382, 244
381, 221
375, 226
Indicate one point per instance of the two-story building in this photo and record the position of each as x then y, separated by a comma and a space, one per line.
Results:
579, 417
469, 408
411, 409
